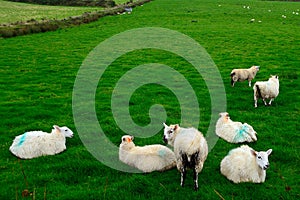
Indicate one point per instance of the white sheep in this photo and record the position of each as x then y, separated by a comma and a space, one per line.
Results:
190, 148
243, 74
147, 158
243, 164
234, 132
266, 90
38, 143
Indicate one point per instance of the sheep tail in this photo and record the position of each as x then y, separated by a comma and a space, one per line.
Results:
258, 91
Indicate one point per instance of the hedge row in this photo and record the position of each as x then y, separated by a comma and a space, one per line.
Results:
34, 26
102, 3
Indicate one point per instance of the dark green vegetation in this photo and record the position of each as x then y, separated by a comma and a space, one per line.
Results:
46, 23
104, 3
38, 73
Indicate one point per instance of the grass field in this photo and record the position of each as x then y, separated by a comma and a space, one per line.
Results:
38, 73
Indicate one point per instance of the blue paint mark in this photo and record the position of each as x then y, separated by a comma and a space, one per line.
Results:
22, 139
162, 152
241, 133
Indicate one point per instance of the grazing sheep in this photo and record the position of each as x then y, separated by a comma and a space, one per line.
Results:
147, 158
243, 74
234, 132
38, 143
266, 90
244, 164
190, 148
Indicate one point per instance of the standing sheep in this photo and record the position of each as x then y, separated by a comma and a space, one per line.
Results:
38, 143
147, 158
190, 148
234, 132
266, 90
244, 164
243, 74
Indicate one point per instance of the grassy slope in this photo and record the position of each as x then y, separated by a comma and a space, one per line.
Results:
38, 73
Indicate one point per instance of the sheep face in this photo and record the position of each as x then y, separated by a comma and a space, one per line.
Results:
64, 130
255, 68
127, 139
274, 78
262, 158
169, 133
224, 116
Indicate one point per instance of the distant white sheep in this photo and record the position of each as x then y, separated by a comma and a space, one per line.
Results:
243, 74
234, 132
38, 143
244, 164
266, 90
190, 148
147, 158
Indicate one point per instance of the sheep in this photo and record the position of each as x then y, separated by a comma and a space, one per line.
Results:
243, 74
266, 90
190, 148
243, 164
147, 158
234, 132
38, 143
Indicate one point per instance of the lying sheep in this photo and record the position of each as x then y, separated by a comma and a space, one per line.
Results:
38, 143
243, 74
266, 90
234, 132
147, 158
244, 164
190, 148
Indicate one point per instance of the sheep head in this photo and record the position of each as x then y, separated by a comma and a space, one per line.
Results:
262, 158
170, 133
225, 116
63, 130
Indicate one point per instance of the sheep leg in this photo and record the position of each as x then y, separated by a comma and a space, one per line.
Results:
232, 82
195, 179
255, 101
183, 166
265, 102
271, 101
249, 83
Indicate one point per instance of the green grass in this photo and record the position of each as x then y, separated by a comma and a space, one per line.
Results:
13, 11
38, 73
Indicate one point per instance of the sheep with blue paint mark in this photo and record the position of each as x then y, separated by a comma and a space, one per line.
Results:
190, 148
234, 132
147, 158
38, 143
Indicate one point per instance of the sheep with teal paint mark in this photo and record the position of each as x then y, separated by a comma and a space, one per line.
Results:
234, 132
38, 143
147, 158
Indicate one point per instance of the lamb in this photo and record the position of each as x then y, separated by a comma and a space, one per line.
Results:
266, 90
147, 158
243, 74
38, 143
244, 164
190, 148
234, 132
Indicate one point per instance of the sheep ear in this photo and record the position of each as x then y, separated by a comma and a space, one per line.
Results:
57, 128
269, 151
176, 127
253, 152
165, 125
132, 138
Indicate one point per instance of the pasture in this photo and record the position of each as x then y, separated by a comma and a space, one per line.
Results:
38, 73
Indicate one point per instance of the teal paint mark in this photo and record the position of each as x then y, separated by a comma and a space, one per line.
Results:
240, 134
162, 152
22, 139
